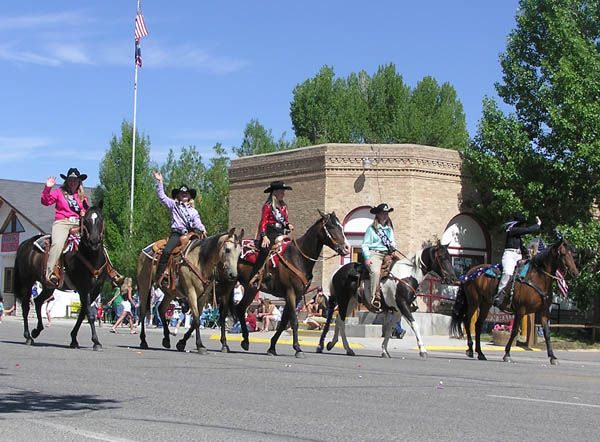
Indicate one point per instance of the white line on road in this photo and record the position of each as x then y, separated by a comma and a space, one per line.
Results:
544, 400
84, 433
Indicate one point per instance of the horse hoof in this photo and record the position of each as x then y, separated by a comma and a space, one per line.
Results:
507, 359
350, 353
423, 354
481, 357
330, 346
553, 361
166, 343
225, 349
144, 345
469, 353
74, 345
35, 333
271, 352
97, 347
180, 346
319, 349
385, 355
245, 345
300, 354
28, 341
202, 351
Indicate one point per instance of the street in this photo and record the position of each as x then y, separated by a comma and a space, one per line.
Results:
51, 392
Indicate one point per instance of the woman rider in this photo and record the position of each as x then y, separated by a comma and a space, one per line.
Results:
184, 218
378, 242
71, 203
515, 230
273, 223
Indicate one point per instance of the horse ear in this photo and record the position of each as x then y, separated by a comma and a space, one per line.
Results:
232, 231
242, 234
100, 204
323, 215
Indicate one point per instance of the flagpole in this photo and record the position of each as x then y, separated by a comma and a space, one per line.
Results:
135, 79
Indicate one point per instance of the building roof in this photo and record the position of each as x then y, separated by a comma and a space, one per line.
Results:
24, 197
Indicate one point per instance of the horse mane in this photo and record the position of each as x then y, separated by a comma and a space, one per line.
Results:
207, 246
541, 258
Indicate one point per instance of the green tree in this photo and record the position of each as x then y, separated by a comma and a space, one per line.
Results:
215, 190
257, 139
114, 191
545, 159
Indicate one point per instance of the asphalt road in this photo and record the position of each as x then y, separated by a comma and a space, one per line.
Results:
51, 392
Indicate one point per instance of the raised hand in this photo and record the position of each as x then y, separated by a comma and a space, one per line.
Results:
157, 176
51, 181
538, 220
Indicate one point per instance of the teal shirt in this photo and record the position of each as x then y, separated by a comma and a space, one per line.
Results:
372, 241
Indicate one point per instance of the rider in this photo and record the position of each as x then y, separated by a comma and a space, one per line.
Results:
71, 203
377, 243
273, 223
184, 218
515, 229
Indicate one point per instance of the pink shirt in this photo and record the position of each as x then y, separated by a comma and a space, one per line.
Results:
57, 198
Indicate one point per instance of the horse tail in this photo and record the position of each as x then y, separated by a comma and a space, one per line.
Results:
17, 285
459, 312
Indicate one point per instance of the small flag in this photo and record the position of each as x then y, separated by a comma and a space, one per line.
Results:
138, 54
541, 245
562, 284
140, 26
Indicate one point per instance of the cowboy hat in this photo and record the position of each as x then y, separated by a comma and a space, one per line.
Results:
383, 207
277, 185
74, 173
183, 188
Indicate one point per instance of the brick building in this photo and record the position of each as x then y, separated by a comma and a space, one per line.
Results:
425, 186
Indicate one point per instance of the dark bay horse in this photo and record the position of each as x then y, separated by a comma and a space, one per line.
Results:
204, 257
289, 279
402, 286
83, 273
533, 294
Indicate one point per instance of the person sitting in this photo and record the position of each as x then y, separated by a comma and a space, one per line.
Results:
317, 312
273, 223
268, 313
515, 230
184, 218
251, 319
377, 243
71, 203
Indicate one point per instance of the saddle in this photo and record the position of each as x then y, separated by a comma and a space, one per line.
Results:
176, 256
43, 244
250, 251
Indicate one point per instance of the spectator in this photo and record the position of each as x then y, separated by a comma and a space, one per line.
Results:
398, 331
49, 304
317, 312
136, 306
251, 319
178, 318
157, 297
1, 308
268, 313
94, 309
116, 304
125, 295
238, 293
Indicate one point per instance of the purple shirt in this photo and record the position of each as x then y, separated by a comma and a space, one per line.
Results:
183, 216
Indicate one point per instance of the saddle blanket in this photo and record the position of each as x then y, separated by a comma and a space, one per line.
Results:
491, 271
71, 244
250, 252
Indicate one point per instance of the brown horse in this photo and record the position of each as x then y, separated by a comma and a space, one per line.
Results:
289, 279
532, 294
204, 257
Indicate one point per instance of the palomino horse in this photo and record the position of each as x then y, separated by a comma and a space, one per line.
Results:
533, 294
204, 257
289, 279
84, 273
401, 286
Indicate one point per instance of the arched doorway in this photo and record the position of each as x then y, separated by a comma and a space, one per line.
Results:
355, 225
468, 242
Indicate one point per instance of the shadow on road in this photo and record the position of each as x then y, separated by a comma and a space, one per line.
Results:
27, 401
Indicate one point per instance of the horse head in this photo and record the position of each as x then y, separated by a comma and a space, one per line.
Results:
442, 263
563, 256
92, 228
229, 252
334, 236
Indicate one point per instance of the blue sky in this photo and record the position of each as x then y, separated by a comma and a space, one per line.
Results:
210, 67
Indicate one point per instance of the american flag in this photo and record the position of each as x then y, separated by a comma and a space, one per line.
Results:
562, 284
140, 26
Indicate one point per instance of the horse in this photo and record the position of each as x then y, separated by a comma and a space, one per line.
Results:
289, 279
84, 273
532, 294
204, 257
401, 286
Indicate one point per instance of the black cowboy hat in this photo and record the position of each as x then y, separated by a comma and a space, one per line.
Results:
277, 185
519, 217
183, 188
74, 173
383, 207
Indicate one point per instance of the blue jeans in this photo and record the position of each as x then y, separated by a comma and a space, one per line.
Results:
398, 327
156, 315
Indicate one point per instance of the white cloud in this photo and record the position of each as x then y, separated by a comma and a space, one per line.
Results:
36, 21
8, 52
186, 56
70, 53
18, 148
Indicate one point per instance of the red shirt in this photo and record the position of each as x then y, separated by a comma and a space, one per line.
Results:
268, 219
251, 321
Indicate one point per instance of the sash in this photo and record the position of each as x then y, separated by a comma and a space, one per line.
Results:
184, 214
72, 202
384, 239
279, 217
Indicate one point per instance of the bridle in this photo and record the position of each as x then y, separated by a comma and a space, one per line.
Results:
336, 245
438, 260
